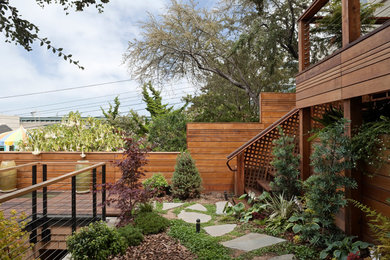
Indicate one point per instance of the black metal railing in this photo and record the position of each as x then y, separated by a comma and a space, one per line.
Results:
54, 211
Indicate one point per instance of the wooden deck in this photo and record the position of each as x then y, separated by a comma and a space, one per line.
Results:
58, 202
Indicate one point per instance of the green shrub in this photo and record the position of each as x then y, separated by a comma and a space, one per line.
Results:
144, 207
132, 235
186, 181
156, 184
201, 244
151, 223
325, 190
96, 241
13, 237
286, 164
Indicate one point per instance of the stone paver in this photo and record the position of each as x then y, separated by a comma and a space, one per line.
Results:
220, 206
219, 230
171, 205
191, 217
283, 257
112, 221
198, 207
252, 241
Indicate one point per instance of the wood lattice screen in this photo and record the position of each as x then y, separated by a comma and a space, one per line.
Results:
258, 156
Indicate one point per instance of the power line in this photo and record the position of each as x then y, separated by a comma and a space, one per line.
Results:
137, 96
65, 89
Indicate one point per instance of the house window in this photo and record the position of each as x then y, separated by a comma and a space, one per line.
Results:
12, 148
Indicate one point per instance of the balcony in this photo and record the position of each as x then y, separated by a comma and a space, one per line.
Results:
361, 67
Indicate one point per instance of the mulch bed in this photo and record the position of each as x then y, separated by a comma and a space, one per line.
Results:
157, 247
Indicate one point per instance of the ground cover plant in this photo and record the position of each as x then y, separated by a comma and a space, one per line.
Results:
201, 244
150, 223
133, 236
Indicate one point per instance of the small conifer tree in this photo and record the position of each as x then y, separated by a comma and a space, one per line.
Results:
186, 180
286, 164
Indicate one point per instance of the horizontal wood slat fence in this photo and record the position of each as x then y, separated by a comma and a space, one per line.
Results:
158, 163
210, 143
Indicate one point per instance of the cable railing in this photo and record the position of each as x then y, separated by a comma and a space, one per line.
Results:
36, 220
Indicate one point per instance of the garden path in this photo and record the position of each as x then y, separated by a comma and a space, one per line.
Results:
245, 243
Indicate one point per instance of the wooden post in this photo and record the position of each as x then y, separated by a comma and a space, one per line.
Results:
304, 144
350, 21
303, 44
239, 176
353, 217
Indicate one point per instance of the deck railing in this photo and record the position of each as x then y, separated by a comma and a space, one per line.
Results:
51, 216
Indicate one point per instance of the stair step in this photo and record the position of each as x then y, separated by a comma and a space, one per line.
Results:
252, 190
264, 184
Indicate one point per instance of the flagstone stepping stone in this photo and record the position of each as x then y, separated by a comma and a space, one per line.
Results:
220, 206
171, 205
283, 257
198, 207
219, 230
191, 217
252, 241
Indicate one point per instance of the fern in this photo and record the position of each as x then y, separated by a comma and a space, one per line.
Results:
380, 227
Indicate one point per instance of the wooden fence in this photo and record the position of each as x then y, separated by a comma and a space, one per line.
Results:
160, 162
210, 143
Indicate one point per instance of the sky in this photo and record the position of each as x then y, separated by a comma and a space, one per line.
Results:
98, 41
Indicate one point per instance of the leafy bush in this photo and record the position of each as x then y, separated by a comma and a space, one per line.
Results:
151, 223
368, 145
237, 211
74, 134
342, 248
201, 244
168, 131
286, 164
157, 184
186, 181
13, 240
127, 192
96, 241
280, 210
325, 190
133, 236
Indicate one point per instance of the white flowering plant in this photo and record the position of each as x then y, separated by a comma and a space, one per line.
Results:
74, 134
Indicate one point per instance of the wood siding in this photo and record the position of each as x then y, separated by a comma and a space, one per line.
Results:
361, 68
375, 191
209, 145
273, 106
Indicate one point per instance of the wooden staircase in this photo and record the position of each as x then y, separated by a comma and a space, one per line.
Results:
254, 170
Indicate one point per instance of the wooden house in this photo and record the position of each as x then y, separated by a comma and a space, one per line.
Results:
353, 77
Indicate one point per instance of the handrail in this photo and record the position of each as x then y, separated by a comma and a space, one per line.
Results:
19, 166
35, 187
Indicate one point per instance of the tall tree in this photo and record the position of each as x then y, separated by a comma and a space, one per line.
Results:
190, 41
154, 101
24, 33
219, 101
